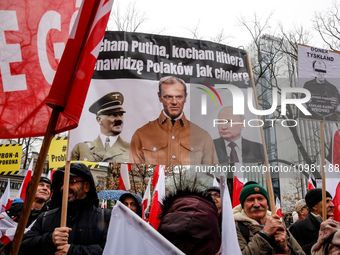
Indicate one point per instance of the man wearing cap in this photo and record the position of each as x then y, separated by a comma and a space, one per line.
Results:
172, 139
306, 231
108, 147
87, 224
300, 210
214, 192
39, 205
325, 96
258, 231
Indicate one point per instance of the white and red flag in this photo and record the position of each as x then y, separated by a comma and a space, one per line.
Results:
124, 179
33, 34
310, 183
5, 200
278, 207
146, 199
34, 44
158, 196
22, 191
104, 204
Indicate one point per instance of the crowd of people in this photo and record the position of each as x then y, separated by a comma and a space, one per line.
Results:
191, 220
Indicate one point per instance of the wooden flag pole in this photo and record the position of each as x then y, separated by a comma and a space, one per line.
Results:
66, 187
50, 131
266, 163
323, 169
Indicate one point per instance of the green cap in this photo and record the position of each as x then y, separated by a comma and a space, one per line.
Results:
251, 188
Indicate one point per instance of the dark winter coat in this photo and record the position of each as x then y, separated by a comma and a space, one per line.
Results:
306, 232
190, 221
89, 223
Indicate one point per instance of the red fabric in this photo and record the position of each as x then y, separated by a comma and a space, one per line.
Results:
336, 202
155, 211
25, 183
310, 185
25, 85
336, 149
237, 187
5, 239
72, 80
145, 204
155, 176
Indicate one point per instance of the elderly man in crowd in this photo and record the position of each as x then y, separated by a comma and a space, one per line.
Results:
86, 223
258, 231
306, 231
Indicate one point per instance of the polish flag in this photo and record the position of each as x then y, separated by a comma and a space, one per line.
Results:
158, 196
146, 199
124, 179
22, 191
104, 204
278, 208
5, 200
237, 187
50, 174
310, 183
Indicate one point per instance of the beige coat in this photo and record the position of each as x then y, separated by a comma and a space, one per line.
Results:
159, 142
95, 152
257, 244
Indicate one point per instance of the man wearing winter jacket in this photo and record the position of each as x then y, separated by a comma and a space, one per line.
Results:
86, 223
258, 231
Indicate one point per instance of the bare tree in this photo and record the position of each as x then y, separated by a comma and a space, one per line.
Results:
128, 20
327, 23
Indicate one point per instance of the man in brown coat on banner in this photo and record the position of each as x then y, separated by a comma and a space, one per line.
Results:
172, 139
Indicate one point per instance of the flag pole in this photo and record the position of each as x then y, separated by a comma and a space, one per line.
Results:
66, 186
50, 131
266, 163
323, 169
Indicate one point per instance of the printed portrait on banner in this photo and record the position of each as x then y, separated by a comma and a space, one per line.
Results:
319, 72
139, 105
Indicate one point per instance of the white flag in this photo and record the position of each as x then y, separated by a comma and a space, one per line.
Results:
229, 234
215, 182
5, 198
128, 234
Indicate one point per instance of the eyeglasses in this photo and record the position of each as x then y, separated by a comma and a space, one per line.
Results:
215, 194
72, 182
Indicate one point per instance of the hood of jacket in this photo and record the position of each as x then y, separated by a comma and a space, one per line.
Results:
240, 215
189, 220
76, 169
137, 198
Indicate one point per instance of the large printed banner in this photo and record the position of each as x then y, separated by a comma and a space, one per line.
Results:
33, 34
10, 158
319, 72
126, 120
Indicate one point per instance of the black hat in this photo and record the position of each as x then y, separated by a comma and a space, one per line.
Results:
314, 196
110, 103
42, 179
213, 188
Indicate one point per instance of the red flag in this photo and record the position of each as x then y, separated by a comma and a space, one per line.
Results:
336, 202
158, 196
278, 208
22, 191
34, 33
310, 184
124, 179
146, 199
73, 77
5, 201
237, 187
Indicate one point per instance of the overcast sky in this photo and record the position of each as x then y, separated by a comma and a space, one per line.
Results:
176, 17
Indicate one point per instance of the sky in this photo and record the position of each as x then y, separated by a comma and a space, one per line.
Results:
178, 17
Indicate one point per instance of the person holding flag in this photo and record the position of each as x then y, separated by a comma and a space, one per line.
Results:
86, 223
11, 217
258, 231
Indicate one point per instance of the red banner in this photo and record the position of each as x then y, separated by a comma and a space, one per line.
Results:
32, 38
